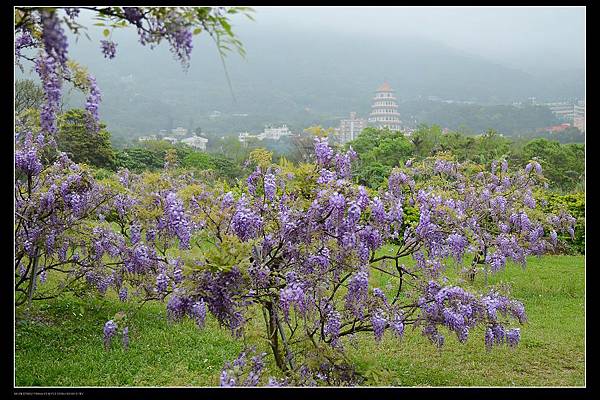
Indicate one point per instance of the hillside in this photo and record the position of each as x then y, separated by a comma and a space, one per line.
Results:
314, 78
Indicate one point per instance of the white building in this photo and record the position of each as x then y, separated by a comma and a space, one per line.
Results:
179, 131
268, 133
564, 111
579, 115
384, 111
244, 136
170, 139
573, 113
147, 138
275, 133
197, 142
349, 129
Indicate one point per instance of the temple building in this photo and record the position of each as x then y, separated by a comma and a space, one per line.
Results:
384, 111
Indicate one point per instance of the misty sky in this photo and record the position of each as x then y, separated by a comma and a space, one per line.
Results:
529, 38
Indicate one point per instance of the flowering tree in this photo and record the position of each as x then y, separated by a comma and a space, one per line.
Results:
304, 248
57, 203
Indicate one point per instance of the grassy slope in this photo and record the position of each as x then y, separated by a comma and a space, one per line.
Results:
62, 345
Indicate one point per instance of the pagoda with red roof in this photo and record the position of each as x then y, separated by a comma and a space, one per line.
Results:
384, 111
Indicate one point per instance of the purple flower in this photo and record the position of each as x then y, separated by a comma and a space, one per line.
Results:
199, 312
162, 283
227, 200
343, 163
529, 201
554, 237
53, 36
442, 166
292, 294
110, 328
178, 306
246, 223
92, 103
378, 211
225, 380
181, 43
123, 294
379, 325
397, 325
325, 176
353, 213
323, 152
28, 161
332, 326
270, 186
135, 233
337, 201
513, 336
109, 48
46, 67
23, 41
133, 15
458, 245
358, 289
176, 220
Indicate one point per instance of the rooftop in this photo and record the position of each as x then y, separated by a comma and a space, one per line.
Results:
385, 88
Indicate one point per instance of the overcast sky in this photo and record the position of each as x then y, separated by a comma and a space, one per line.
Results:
538, 38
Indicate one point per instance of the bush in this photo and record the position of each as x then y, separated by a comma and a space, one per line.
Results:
574, 204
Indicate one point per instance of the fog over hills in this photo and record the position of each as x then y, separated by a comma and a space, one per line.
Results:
299, 77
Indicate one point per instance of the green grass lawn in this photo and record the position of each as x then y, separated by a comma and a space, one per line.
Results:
61, 343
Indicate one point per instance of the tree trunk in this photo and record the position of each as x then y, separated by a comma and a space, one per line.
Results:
274, 338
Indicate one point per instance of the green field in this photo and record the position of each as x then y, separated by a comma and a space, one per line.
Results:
61, 343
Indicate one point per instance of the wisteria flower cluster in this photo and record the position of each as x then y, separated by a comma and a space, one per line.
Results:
110, 330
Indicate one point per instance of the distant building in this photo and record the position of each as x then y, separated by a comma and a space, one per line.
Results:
197, 142
556, 128
244, 136
268, 133
569, 112
563, 111
349, 129
179, 131
170, 139
275, 133
384, 111
147, 138
579, 116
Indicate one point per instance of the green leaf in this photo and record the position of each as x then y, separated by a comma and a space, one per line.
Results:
106, 32
99, 24
197, 31
227, 27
